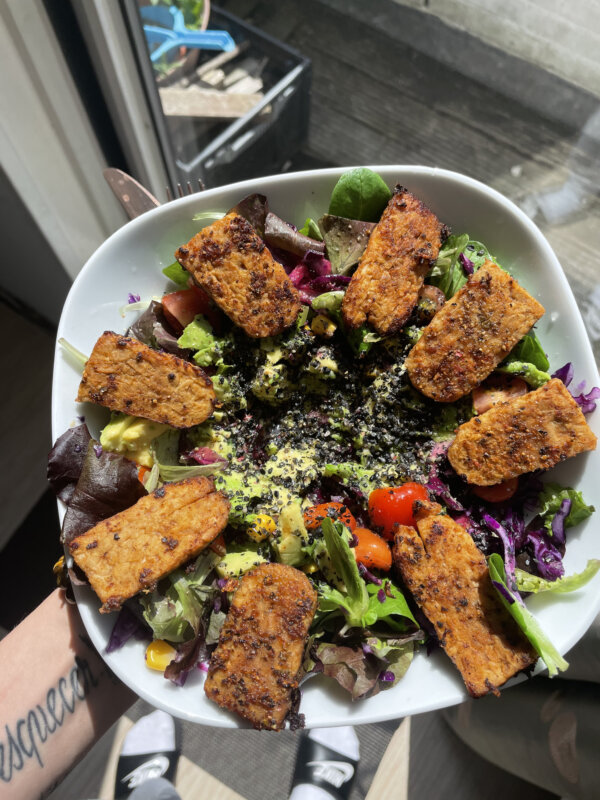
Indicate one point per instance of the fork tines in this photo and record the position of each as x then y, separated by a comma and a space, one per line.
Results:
181, 191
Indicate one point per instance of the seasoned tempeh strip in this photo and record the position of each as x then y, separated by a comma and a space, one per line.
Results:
534, 431
233, 265
255, 667
450, 581
126, 375
132, 550
401, 249
471, 334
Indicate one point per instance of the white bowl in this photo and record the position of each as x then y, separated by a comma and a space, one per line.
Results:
131, 261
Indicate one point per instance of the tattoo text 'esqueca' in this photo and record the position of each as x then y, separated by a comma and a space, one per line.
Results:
22, 741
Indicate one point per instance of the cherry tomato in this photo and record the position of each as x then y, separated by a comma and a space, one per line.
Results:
372, 551
393, 506
497, 389
218, 545
314, 516
499, 492
180, 308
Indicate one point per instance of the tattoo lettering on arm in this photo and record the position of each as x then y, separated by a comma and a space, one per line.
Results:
22, 741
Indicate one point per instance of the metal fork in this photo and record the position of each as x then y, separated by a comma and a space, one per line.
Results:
190, 189
134, 198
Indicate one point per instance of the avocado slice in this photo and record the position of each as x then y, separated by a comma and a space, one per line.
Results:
232, 565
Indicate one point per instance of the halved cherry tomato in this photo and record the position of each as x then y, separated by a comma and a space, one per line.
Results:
180, 308
497, 389
314, 516
372, 551
393, 506
142, 472
497, 493
218, 545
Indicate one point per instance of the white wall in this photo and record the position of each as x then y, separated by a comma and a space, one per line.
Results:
50, 158
561, 36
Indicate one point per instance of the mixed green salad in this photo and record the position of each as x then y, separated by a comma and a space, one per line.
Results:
308, 425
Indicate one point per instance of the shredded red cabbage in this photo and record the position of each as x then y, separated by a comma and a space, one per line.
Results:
547, 557
204, 455
381, 596
133, 298
565, 373
586, 402
312, 276
187, 657
504, 592
558, 522
387, 676
466, 264
127, 625
509, 549
368, 576
442, 491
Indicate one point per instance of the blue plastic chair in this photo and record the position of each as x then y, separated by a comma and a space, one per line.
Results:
166, 28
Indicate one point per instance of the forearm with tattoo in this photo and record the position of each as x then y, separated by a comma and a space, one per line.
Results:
57, 697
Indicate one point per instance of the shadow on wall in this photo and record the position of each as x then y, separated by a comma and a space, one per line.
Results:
31, 273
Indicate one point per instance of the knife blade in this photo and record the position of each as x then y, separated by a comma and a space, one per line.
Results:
134, 198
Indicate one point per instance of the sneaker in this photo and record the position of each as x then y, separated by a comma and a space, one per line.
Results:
150, 750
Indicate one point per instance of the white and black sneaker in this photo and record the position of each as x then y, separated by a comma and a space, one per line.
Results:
150, 750
326, 764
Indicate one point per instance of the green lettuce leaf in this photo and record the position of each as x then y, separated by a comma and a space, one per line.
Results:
311, 229
525, 619
530, 350
359, 194
365, 671
568, 583
396, 656
447, 273
351, 668
550, 499
356, 598
176, 614
393, 606
176, 273
345, 239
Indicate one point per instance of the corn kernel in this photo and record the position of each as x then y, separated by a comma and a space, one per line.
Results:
159, 655
323, 326
261, 528
309, 568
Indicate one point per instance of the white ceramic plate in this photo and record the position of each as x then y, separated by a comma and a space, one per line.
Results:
132, 260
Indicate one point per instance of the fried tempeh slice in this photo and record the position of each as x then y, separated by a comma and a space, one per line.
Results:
132, 550
534, 431
255, 667
126, 375
450, 581
471, 334
401, 249
230, 261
